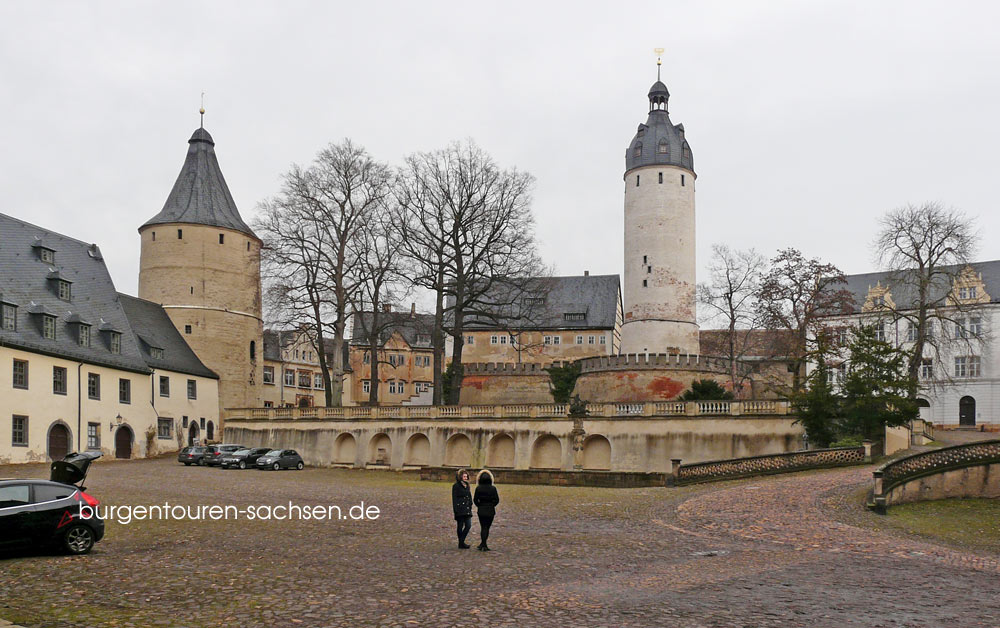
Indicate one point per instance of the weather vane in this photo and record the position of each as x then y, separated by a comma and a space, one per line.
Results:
659, 54
202, 110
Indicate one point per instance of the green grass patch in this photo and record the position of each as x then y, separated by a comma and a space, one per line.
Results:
968, 523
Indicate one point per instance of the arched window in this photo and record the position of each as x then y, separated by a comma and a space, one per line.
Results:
253, 350
663, 148
638, 150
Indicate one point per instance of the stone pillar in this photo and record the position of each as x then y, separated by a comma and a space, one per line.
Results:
675, 469
577, 434
877, 497
868, 450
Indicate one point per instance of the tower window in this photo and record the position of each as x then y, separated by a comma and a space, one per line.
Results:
663, 148
248, 245
636, 180
180, 234
661, 177
187, 329
154, 236
253, 350
645, 284
682, 180
222, 238
645, 260
192, 289
638, 150
649, 269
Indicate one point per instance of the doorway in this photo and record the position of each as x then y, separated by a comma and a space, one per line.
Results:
123, 442
967, 411
58, 441
193, 433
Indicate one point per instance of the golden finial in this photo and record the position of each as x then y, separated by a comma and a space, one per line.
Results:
202, 110
659, 62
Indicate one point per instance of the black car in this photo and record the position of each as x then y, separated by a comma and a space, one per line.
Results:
280, 459
51, 513
243, 458
191, 455
215, 453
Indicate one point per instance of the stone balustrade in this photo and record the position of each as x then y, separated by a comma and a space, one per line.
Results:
717, 470
526, 411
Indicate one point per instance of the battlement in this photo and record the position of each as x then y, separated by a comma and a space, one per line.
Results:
507, 368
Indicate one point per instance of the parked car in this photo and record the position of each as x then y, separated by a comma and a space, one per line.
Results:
48, 513
243, 458
215, 453
191, 455
280, 459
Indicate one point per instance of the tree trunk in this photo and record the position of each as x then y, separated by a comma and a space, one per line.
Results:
438, 342
373, 347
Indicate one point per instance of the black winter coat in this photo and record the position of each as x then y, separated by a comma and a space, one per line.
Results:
487, 499
461, 500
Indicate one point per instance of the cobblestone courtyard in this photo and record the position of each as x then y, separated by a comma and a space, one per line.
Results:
755, 553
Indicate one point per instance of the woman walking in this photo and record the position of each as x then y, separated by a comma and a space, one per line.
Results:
486, 501
461, 503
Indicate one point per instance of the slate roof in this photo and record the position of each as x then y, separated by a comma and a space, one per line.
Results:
153, 328
596, 297
903, 296
200, 194
24, 283
659, 129
415, 329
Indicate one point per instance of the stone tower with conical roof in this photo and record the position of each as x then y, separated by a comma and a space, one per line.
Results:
659, 278
202, 263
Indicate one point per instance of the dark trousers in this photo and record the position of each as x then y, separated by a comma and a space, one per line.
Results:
464, 524
485, 521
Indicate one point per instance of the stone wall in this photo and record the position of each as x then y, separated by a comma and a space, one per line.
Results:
765, 465
605, 479
971, 470
492, 383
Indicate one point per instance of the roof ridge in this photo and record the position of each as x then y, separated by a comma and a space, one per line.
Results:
45, 229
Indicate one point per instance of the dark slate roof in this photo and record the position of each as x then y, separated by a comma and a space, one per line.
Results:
415, 328
596, 297
200, 194
658, 129
153, 328
23, 282
902, 295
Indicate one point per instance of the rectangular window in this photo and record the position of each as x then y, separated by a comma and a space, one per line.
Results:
267, 404
184, 422
645, 284
547, 340
93, 435
164, 428
47, 256
201, 422
305, 379
401, 388
318, 381
961, 367
911, 332
289, 378
927, 368
470, 340
603, 339
222, 238
9, 317
682, 180
124, 390
975, 366
156, 353
556, 340
268, 374
64, 290
494, 340
192, 389
975, 326
841, 373
115, 339
93, 386
591, 340
636, 180
187, 329
645, 259
84, 335
661, 177
180, 234
20, 374
579, 340
58, 380
575, 316
19, 431
503, 340
164, 386
366, 386
880, 332
49, 326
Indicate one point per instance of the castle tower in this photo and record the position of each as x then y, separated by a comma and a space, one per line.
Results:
659, 291
202, 263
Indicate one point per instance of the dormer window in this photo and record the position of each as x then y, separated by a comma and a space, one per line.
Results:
8, 316
637, 152
84, 335
47, 255
967, 292
156, 353
63, 290
663, 148
574, 316
48, 327
115, 342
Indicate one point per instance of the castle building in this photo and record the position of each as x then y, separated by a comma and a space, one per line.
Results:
202, 263
659, 287
405, 358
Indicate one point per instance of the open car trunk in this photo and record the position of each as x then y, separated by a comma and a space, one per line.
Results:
73, 468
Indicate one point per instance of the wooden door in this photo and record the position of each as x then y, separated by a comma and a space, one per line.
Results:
58, 442
123, 443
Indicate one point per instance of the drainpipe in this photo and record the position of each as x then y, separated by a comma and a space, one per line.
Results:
79, 404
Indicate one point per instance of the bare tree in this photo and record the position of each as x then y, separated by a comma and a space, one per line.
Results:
795, 294
472, 231
730, 296
309, 230
926, 249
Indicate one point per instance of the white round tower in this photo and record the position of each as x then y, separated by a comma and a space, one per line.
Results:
659, 290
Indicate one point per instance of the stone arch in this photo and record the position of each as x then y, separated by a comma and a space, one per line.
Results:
924, 407
380, 449
192, 432
418, 451
597, 453
58, 440
500, 451
546, 453
124, 437
458, 451
967, 410
345, 449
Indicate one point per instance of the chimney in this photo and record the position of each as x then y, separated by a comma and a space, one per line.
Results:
413, 310
586, 273
386, 307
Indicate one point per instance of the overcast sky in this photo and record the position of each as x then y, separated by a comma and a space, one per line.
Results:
807, 119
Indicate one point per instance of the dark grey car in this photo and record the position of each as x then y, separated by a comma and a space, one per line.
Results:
280, 459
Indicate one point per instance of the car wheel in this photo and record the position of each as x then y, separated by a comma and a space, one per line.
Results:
187, 464
300, 466
243, 464
276, 466
79, 539
201, 462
